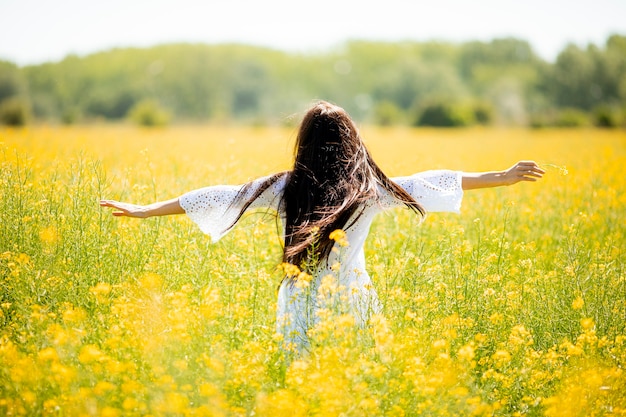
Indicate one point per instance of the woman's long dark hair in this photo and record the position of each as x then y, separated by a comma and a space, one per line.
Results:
332, 178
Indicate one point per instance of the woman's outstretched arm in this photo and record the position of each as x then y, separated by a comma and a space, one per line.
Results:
522, 171
162, 208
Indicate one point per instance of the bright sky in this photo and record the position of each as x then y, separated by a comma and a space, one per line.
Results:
35, 31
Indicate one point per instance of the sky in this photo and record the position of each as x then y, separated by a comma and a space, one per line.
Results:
36, 31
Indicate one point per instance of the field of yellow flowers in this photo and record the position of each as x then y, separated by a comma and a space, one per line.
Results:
516, 307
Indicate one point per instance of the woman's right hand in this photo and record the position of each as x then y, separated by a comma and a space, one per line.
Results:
125, 209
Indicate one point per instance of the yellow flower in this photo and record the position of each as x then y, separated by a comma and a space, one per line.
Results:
289, 269
502, 356
51, 406
74, 315
303, 280
102, 387
587, 323
48, 354
520, 336
89, 354
207, 389
49, 235
328, 285
101, 292
280, 403
62, 375
578, 303
339, 236
466, 353
115, 367
23, 259
174, 403
110, 412
440, 344
151, 281
131, 387
130, 404
496, 318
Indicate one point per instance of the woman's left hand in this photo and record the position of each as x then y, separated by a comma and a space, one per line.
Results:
522, 171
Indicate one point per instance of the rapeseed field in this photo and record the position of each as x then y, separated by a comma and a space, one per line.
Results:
516, 307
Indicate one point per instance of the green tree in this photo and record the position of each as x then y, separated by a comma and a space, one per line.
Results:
12, 81
445, 113
14, 111
149, 113
566, 82
387, 113
614, 67
15, 106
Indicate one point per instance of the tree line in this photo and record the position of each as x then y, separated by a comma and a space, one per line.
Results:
502, 81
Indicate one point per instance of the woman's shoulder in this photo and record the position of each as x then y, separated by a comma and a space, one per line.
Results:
275, 182
264, 191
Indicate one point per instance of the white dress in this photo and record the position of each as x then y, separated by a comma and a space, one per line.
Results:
341, 284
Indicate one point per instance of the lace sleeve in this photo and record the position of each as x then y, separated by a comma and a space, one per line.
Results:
215, 208
437, 190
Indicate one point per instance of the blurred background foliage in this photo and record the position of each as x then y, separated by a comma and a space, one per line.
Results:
499, 82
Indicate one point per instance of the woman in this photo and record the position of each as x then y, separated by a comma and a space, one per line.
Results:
334, 186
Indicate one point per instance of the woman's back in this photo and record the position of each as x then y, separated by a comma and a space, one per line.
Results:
301, 296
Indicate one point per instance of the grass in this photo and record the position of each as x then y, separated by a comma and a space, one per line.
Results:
516, 307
